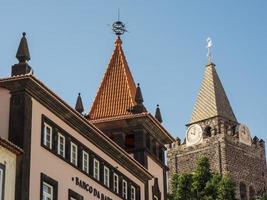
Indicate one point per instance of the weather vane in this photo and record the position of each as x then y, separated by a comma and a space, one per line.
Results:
209, 45
118, 27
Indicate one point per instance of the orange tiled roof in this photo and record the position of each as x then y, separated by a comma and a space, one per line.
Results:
117, 90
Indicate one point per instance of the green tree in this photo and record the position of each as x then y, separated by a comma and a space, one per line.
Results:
262, 197
211, 188
181, 184
201, 176
202, 184
226, 188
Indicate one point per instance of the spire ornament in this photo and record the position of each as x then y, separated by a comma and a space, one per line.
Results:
118, 27
79, 104
23, 54
158, 114
209, 45
139, 107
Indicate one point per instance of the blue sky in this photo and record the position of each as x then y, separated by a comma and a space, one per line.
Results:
71, 43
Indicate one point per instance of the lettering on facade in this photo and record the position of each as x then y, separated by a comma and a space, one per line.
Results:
90, 189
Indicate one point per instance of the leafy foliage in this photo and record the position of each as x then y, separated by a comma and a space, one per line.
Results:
262, 197
202, 184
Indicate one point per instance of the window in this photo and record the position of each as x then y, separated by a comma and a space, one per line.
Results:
48, 188
124, 189
74, 196
243, 191
48, 192
73, 153
2, 181
85, 162
106, 176
47, 136
96, 169
61, 145
116, 183
133, 194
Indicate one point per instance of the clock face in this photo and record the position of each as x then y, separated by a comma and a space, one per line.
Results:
194, 135
244, 134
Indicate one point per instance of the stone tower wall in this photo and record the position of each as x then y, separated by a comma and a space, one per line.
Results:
246, 164
227, 155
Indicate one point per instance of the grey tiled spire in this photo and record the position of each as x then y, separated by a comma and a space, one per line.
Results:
212, 100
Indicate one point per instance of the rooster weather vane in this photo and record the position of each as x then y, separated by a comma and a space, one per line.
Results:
118, 27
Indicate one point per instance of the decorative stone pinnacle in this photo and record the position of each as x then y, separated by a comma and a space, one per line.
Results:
23, 54
79, 104
158, 114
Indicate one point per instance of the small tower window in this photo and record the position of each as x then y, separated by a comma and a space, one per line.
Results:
243, 191
207, 131
129, 141
251, 193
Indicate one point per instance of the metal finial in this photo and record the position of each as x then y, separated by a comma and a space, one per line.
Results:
118, 27
209, 45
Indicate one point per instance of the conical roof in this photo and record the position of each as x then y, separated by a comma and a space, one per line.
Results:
212, 100
79, 104
23, 53
158, 114
117, 91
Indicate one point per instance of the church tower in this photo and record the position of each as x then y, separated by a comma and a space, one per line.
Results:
214, 132
119, 111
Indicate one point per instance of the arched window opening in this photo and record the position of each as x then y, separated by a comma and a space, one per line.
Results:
243, 191
251, 193
207, 131
129, 141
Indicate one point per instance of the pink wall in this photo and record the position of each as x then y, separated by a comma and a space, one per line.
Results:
4, 112
44, 161
157, 172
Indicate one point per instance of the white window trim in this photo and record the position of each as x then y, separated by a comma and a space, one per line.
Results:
71, 153
58, 144
106, 181
133, 193
47, 195
124, 189
96, 175
116, 183
85, 169
45, 135
1, 182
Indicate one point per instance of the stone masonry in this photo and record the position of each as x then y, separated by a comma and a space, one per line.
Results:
245, 164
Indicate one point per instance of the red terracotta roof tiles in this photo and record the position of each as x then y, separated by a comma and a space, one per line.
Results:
117, 90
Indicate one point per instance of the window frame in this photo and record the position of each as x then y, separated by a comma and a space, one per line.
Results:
2, 187
133, 193
61, 136
48, 195
50, 182
50, 146
87, 162
74, 195
72, 144
124, 189
106, 179
116, 186
96, 176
